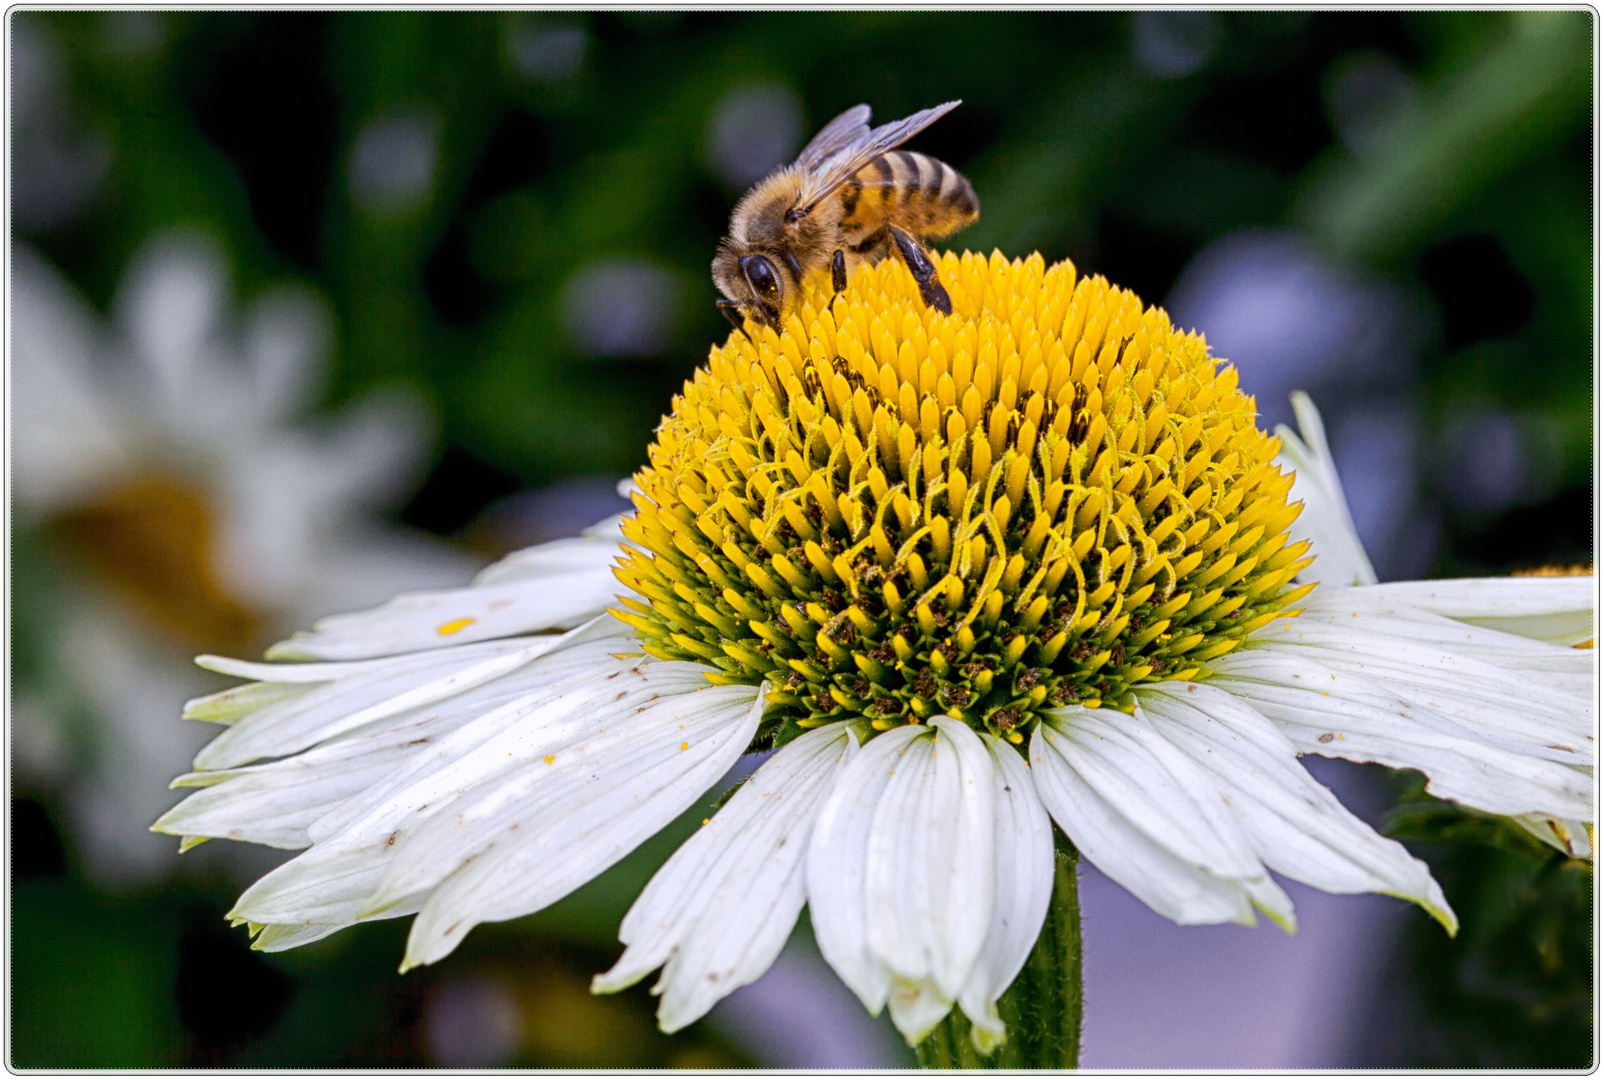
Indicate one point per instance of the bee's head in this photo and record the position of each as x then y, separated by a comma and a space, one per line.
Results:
753, 281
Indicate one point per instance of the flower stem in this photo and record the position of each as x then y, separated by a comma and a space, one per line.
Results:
1042, 1008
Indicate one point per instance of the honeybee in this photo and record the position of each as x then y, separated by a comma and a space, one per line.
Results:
850, 197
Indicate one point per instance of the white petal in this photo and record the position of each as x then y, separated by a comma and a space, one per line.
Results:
271, 807
229, 706
1373, 609
597, 805
1574, 838
930, 877
1554, 609
278, 938
1133, 768
562, 588
350, 702
277, 802
916, 1006
1340, 557
1296, 826
1349, 717
559, 699
598, 545
1175, 886
837, 864
1024, 874
303, 673
354, 843
1512, 709
718, 913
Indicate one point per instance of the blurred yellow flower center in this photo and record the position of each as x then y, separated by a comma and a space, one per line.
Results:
888, 513
154, 539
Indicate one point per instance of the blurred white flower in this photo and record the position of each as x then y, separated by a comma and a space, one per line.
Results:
393, 163
754, 128
160, 456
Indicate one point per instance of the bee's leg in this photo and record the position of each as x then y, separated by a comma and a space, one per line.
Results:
924, 271
873, 247
838, 272
732, 312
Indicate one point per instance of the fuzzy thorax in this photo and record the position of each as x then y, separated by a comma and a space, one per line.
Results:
1042, 499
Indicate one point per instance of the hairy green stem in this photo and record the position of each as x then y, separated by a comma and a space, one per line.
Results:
1042, 1008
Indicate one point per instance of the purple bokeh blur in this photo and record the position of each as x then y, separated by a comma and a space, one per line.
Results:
1290, 319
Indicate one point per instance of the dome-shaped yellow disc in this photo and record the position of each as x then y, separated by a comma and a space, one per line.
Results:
1039, 500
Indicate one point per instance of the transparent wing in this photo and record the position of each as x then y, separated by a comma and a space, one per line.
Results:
845, 129
839, 167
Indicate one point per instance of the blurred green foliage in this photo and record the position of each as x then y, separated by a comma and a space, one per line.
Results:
92, 977
1514, 989
244, 125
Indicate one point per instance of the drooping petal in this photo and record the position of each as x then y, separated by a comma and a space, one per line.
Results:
837, 862
1322, 711
718, 913
1296, 826
930, 877
1149, 819
1024, 875
513, 847
552, 586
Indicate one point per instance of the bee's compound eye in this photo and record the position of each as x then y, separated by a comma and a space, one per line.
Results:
760, 272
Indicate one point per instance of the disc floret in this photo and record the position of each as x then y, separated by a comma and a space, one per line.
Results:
1042, 499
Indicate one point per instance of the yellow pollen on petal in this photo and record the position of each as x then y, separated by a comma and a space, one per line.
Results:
1045, 498
455, 625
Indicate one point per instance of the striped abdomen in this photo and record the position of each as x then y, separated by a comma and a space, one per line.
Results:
929, 198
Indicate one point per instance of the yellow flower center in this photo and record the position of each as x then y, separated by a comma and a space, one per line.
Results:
1044, 498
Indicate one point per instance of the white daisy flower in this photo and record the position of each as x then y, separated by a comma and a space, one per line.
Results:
974, 575
162, 460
